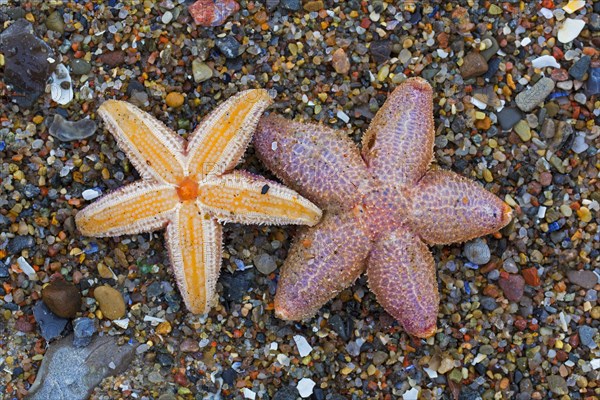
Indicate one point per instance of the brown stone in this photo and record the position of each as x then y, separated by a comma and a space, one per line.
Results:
531, 276
340, 61
474, 64
62, 298
110, 301
113, 58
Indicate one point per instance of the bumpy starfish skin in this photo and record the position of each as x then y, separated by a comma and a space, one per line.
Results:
382, 208
188, 187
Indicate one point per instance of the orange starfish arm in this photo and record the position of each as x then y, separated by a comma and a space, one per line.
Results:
249, 199
398, 146
447, 208
155, 151
194, 243
220, 140
401, 273
323, 261
139, 207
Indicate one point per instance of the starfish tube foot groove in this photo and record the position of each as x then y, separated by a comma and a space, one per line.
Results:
382, 207
189, 187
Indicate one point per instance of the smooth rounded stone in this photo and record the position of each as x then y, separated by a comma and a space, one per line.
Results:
66, 131
19, 243
474, 64
570, 29
586, 336
189, 346
155, 377
585, 279
175, 99
293, 5
229, 46
580, 98
529, 99
80, 67
594, 22
286, 393
508, 117
545, 61
229, 376
512, 286
112, 58
340, 61
557, 385
379, 357
110, 301
55, 22
488, 303
477, 251
201, 71
466, 393
51, 326
264, 263
493, 49
31, 191
83, 330
593, 83
580, 68
522, 129
566, 85
139, 98
380, 50
167, 17
62, 298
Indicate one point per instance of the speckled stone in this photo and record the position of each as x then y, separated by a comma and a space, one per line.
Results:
529, 99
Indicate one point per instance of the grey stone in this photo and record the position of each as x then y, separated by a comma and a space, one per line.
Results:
580, 68
586, 335
585, 279
287, 393
83, 329
477, 251
557, 385
293, 5
51, 325
529, 99
65, 130
80, 67
71, 373
593, 83
229, 46
508, 117
265, 263
489, 53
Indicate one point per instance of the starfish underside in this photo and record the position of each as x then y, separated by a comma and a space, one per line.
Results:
382, 207
189, 187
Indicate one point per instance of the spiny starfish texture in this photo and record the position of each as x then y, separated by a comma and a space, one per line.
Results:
188, 187
383, 206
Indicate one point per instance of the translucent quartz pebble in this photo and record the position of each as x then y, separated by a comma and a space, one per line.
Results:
66, 131
61, 88
570, 29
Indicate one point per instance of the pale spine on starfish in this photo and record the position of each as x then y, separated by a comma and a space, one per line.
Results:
175, 173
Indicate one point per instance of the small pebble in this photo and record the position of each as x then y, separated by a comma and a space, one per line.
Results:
340, 61
580, 68
529, 99
212, 12
51, 325
512, 286
83, 329
570, 29
305, 387
474, 64
62, 298
66, 131
110, 301
477, 251
584, 278
201, 71
175, 99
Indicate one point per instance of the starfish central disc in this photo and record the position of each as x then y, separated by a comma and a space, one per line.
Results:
187, 189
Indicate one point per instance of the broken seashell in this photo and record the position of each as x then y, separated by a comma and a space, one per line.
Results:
61, 87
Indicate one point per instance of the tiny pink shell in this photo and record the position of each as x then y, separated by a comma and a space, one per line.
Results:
212, 12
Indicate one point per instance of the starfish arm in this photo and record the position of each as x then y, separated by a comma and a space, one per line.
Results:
218, 143
398, 145
250, 199
401, 273
322, 261
139, 207
155, 151
194, 243
321, 163
447, 208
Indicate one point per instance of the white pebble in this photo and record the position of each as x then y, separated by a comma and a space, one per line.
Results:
305, 387
595, 363
249, 394
274, 146
167, 17
570, 29
122, 323
283, 360
547, 13
478, 103
431, 373
153, 320
545, 61
90, 194
411, 394
579, 144
525, 41
303, 347
343, 116
26, 268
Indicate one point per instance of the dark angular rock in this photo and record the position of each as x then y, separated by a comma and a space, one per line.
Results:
580, 68
381, 50
236, 285
508, 117
83, 329
51, 326
474, 65
71, 373
593, 82
287, 393
229, 376
26, 67
229, 46
292, 5
19, 243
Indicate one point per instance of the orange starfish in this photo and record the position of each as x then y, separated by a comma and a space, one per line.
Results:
189, 187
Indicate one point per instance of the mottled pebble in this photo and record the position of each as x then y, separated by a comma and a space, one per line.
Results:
557, 385
20, 243
474, 64
201, 71
586, 336
80, 67
83, 329
286, 393
477, 251
212, 12
113, 58
512, 286
529, 99
585, 279
229, 46
264, 263
593, 82
340, 61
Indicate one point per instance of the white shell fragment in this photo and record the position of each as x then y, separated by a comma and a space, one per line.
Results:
570, 29
90, 194
26, 267
303, 347
545, 61
61, 87
305, 387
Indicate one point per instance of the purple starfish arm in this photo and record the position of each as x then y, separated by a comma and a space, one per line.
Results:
401, 273
447, 208
398, 146
322, 162
322, 262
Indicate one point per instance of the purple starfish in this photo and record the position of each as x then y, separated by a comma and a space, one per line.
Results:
382, 207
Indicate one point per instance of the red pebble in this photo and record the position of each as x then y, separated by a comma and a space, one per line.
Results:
531, 276
180, 379
212, 12
521, 324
